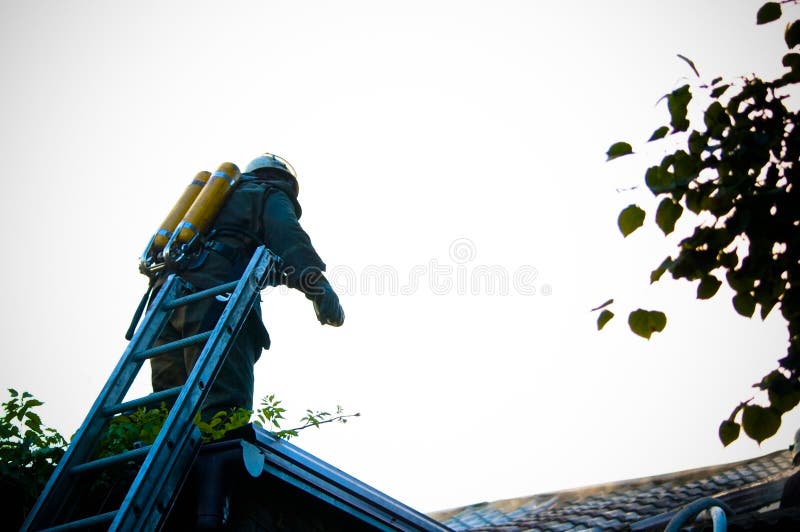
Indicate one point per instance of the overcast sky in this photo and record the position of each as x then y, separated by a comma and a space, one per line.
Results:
451, 158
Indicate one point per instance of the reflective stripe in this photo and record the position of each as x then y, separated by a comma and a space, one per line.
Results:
187, 225
222, 175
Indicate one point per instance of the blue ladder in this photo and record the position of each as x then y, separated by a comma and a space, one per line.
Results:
165, 464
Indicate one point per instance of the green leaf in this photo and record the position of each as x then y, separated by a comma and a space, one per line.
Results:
607, 303
694, 200
713, 113
745, 304
286, 434
728, 432
604, 318
716, 120
766, 308
618, 149
768, 12
738, 280
677, 103
708, 287
719, 91
792, 61
685, 166
783, 395
34, 422
659, 133
729, 260
697, 142
690, 63
784, 403
667, 214
759, 422
656, 274
658, 180
792, 34
646, 322
630, 219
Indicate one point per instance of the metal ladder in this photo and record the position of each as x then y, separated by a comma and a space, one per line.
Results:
165, 463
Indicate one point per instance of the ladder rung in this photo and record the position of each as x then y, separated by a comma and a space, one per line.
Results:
82, 524
100, 463
178, 344
153, 398
202, 294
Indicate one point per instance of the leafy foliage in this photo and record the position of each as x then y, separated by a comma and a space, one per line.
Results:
141, 427
739, 171
271, 413
222, 422
269, 416
315, 418
128, 431
29, 452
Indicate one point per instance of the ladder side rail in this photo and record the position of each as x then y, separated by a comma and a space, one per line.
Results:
164, 495
52, 498
147, 501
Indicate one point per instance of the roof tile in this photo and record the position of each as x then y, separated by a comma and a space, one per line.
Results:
617, 506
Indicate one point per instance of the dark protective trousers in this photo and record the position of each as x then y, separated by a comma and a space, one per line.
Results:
233, 386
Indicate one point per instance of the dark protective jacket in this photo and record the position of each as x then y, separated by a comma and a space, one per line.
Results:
262, 209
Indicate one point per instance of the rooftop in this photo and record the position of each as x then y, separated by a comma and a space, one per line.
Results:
641, 504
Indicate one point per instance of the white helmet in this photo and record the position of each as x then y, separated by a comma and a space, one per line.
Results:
269, 160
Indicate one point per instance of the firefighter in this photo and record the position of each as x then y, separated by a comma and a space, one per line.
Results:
262, 209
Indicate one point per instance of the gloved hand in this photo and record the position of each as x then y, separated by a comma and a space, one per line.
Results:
327, 307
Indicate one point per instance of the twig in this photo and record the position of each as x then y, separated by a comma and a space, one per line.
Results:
318, 423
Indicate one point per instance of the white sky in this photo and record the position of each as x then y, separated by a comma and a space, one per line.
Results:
420, 130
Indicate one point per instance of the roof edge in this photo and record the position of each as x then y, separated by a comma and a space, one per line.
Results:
291, 464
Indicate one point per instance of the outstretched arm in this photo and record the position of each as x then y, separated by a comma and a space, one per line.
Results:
302, 266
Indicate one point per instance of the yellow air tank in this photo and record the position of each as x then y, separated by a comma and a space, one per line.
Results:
178, 211
151, 262
203, 211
